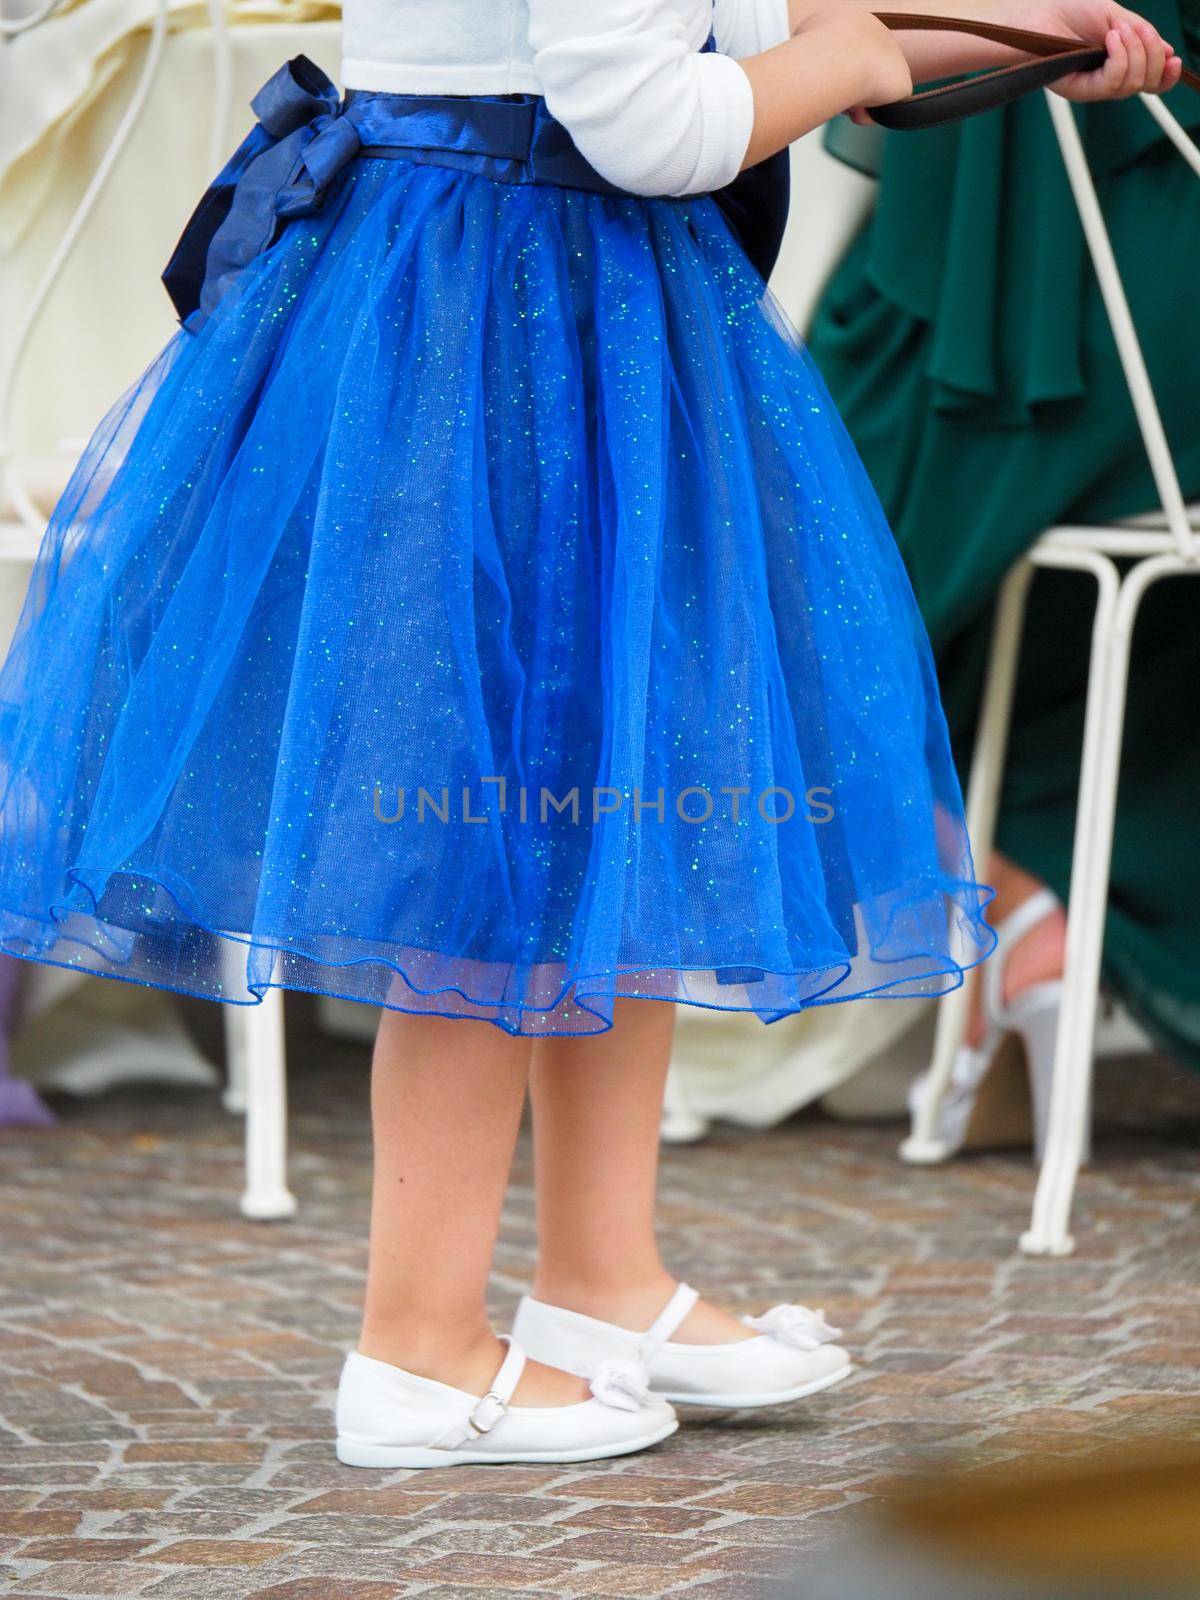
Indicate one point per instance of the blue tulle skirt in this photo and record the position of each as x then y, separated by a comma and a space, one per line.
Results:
484, 614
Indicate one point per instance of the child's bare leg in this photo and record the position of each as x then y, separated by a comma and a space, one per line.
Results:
446, 1099
597, 1102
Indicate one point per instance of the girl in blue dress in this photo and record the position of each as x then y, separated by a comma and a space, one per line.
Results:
478, 610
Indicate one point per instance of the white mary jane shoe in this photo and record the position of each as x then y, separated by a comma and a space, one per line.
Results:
792, 1356
387, 1417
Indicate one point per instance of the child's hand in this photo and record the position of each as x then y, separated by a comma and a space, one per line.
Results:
1139, 59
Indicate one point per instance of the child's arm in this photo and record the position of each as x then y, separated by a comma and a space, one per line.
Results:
655, 115
837, 58
1138, 57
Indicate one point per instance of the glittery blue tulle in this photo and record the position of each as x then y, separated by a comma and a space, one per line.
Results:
485, 615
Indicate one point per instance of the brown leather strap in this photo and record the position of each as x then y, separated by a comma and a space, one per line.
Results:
1056, 58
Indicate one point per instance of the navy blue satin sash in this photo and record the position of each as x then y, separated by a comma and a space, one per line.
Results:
304, 138
756, 205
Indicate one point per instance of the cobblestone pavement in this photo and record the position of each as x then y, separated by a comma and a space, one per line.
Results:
166, 1369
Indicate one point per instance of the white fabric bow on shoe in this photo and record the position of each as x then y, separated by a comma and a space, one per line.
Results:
796, 1326
621, 1381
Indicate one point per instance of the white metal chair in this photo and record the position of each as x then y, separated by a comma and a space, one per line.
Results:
254, 1034
1160, 545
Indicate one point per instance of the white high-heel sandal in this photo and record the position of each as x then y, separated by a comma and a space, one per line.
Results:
792, 1356
387, 1417
995, 1099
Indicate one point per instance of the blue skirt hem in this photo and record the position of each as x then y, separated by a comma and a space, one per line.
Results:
580, 997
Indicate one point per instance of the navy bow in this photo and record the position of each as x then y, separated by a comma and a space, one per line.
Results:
304, 138
281, 170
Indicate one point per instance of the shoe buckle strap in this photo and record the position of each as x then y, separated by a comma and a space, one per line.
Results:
489, 1408
667, 1321
487, 1413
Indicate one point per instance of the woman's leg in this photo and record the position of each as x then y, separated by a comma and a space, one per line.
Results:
1038, 957
597, 1102
446, 1100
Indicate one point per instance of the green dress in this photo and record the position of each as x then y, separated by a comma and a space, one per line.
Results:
965, 343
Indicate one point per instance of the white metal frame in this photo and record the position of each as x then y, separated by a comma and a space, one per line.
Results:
257, 1089
11, 26
254, 1034
1162, 544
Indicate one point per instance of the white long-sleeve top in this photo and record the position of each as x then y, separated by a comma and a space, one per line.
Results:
627, 78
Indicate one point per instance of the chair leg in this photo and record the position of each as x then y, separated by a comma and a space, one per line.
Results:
923, 1147
266, 1197
235, 1094
1067, 1132
257, 1086
233, 967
